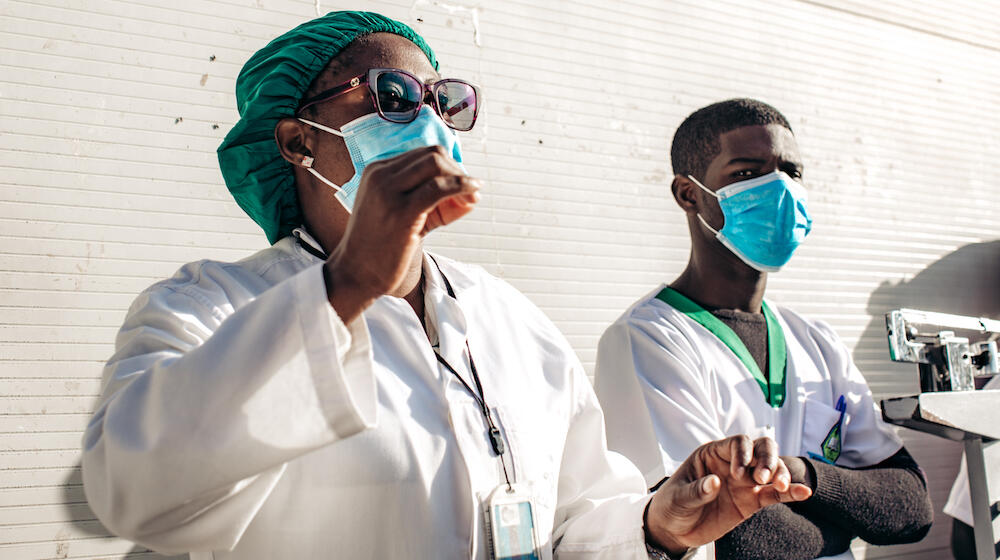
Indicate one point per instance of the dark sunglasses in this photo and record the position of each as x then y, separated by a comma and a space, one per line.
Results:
398, 96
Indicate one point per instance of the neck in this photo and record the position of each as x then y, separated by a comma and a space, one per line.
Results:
726, 283
411, 288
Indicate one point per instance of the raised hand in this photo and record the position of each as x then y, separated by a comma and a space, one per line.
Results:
719, 486
400, 199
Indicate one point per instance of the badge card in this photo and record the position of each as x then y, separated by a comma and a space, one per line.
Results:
511, 524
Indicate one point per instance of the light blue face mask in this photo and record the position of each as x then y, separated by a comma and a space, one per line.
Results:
372, 138
766, 219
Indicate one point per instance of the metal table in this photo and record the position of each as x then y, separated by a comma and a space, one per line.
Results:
972, 417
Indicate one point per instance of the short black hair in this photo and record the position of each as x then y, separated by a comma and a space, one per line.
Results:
696, 141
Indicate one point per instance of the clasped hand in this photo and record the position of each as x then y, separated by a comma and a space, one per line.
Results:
719, 486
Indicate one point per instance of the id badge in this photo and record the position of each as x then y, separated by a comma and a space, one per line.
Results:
510, 525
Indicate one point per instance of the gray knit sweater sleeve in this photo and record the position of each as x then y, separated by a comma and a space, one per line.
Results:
883, 504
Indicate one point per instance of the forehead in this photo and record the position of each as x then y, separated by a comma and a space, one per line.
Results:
378, 50
759, 142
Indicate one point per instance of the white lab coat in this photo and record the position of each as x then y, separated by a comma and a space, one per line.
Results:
668, 385
241, 418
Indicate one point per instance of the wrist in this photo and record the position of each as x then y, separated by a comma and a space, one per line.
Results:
829, 489
659, 538
348, 295
800, 471
353, 268
811, 479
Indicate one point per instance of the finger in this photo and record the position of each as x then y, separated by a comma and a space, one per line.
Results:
741, 454
765, 451
409, 157
770, 495
782, 479
767, 496
797, 493
696, 494
425, 197
386, 172
449, 210
429, 162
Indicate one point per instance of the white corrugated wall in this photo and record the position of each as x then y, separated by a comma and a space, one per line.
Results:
110, 113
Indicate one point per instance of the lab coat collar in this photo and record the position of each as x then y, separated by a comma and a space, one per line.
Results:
445, 322
459, 281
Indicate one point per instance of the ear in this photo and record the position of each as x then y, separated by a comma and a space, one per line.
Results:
685, 193
294, 141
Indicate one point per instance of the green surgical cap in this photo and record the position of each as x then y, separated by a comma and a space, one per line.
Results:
268, 89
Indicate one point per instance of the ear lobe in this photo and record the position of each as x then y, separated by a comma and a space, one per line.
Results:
684, 191
293, 141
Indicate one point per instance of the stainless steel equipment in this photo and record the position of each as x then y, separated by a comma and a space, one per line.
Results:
952, 352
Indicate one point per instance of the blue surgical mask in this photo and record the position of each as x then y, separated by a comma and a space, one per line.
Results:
766, 219
371, 138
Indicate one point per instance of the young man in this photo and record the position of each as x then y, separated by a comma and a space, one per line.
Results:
706, 356
342, 393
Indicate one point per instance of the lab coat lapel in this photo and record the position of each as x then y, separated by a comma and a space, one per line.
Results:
445, 314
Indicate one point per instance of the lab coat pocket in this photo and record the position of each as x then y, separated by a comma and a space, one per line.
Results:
536, 440
536, 457
821, 431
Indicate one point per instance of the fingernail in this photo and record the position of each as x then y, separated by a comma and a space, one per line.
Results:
765, 474
739, 472
707, 484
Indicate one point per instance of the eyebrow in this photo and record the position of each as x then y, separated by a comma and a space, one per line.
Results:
746, 160
759, 161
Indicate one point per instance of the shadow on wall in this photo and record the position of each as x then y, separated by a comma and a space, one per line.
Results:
88, 524
965, 282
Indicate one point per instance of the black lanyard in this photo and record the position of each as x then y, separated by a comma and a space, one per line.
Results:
318, 253
496, 440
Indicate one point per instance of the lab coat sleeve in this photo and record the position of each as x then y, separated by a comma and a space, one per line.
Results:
601, 495
650, 386
203, 404
868, 440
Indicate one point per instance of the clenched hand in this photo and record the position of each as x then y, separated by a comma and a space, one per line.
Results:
400, 199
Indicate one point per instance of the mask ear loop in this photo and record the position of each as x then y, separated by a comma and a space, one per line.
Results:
307, 163
695, 181
704, 188
324, 128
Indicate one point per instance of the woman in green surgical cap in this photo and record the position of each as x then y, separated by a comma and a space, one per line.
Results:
344, 393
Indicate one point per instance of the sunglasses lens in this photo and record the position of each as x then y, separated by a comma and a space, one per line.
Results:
458, 104
399, 96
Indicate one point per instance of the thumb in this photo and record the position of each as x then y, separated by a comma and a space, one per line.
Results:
698, 493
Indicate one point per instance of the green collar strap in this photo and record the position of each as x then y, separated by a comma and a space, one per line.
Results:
773, 388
